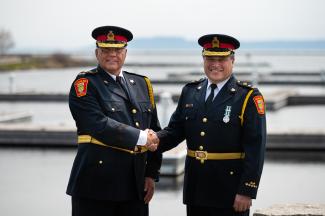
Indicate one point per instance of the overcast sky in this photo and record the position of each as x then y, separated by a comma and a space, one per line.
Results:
67, 24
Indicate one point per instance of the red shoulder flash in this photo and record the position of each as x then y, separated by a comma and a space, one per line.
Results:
80, 86
259, 103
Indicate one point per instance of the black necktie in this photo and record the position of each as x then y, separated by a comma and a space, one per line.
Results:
208, 102
120, 82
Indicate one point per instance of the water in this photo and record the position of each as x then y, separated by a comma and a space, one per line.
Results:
33, 182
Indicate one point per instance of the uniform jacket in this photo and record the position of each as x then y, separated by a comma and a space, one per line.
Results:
107, 114
216, 182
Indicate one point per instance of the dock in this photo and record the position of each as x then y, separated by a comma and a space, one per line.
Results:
20, 135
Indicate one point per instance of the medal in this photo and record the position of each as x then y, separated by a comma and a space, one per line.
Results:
226, 117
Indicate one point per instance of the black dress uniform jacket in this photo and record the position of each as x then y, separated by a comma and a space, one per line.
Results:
107, 114
215, 183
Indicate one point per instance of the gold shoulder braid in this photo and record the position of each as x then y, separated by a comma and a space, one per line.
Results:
244, 107
150, 90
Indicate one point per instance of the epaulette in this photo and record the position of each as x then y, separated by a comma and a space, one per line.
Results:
88, 72
135, 74
245, 84
196, 81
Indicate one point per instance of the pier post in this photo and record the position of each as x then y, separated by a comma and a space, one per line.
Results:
165, 101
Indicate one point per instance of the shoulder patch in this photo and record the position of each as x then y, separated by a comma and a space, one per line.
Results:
80, 86
245, 84
259, 103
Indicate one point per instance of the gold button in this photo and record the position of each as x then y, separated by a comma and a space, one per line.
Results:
137, 124
100, 162
134, 111
201, 147
149, 110
231, 173
202, 133
113, 109
204, 120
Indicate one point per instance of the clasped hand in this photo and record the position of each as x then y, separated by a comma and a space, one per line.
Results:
152, 140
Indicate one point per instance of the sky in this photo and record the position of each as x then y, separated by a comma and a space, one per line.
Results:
67, 24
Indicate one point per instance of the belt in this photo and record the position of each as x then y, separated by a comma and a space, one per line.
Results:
89, 139
204, 155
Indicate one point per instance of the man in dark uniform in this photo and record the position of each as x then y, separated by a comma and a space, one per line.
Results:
113, 173
223, 122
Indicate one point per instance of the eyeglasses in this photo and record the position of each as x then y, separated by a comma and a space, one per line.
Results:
107, 51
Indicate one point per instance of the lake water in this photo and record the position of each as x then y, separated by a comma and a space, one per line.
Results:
33, 181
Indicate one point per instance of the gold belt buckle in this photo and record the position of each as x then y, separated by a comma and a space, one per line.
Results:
201, 155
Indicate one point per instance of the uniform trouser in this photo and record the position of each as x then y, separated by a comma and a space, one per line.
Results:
91, 207
212, 211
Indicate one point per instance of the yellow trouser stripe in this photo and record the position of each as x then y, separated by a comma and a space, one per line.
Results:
203, 155
89, 139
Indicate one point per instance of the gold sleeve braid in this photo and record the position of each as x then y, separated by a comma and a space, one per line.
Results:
150, 90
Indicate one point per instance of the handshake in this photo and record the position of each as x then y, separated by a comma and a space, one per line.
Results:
152, 140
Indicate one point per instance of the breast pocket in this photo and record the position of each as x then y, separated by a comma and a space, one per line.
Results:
114, 108
146, 112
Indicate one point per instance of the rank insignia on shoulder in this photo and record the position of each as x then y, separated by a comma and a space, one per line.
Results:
259, 103
80, 86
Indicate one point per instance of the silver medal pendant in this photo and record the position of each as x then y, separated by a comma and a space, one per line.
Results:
226, 117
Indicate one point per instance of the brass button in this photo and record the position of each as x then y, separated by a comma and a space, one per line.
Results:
137, 124
202, 133
231, 173
201, 147
100, 162
204, 120
149, 110
113, 109
134, 111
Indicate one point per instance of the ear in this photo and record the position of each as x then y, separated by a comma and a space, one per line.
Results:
96, 52
233, 59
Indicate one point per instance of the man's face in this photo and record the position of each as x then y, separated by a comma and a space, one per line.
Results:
218, 68
111, 59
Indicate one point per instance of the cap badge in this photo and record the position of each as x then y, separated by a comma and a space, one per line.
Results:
226, 117
110, 36
215, 43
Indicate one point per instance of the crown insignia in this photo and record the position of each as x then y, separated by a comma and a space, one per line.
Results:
215, 42
110, 36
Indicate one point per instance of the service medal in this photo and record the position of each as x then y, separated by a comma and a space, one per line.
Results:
226, 117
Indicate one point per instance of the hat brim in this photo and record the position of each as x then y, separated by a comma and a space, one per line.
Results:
111, 45
214, 53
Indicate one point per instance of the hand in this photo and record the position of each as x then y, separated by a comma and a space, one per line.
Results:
242, 203
149, 187
152, 140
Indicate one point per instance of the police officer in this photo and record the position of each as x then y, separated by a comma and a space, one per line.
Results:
113, 173
223, 122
